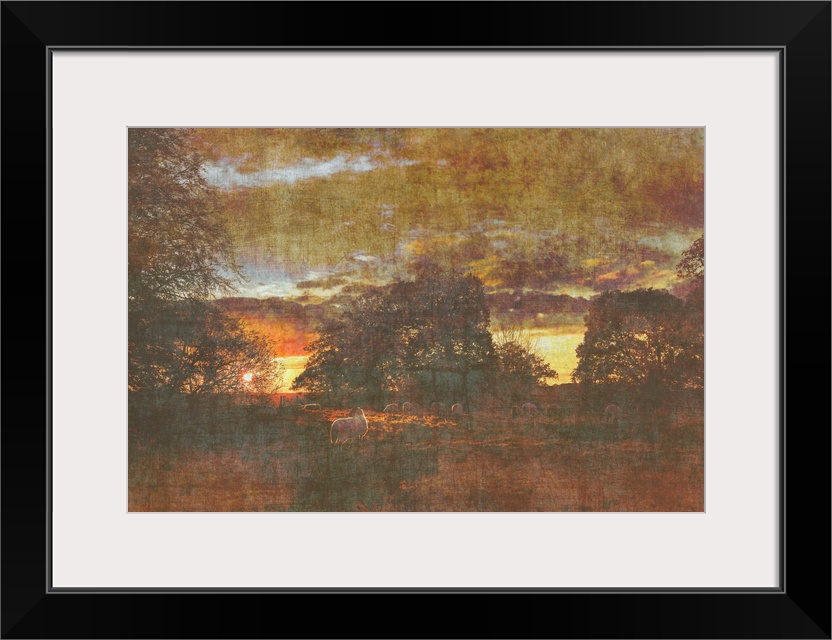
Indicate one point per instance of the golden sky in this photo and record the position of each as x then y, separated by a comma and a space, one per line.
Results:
566, 211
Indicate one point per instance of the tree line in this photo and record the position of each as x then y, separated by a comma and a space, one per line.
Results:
424, 340
428, 340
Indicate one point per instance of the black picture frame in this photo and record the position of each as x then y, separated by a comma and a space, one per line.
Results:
799, 608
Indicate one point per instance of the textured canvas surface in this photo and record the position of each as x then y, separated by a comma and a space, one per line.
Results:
416, 319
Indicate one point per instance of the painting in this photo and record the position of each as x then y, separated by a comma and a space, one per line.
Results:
416, 319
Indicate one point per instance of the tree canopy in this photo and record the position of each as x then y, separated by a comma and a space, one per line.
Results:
636, 337
179, 257
648, 337
692, 264
178, 243
692, 267
425, 340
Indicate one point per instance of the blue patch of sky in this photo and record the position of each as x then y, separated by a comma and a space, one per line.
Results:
671, 242
264, 282
226, 173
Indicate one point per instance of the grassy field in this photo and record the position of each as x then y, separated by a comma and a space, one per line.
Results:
248, 459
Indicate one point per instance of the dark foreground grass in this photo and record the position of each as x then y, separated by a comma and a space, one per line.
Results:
245, 459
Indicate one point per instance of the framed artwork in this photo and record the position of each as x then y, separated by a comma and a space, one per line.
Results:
426, 319
492, 319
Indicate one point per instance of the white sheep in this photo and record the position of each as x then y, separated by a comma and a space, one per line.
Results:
457, 409
408, 407
391, 408
346, 429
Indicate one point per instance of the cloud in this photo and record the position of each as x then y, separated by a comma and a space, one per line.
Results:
363, 257
505, 258
266, 290
325, 283
596, 262
226, 173
671, 242
642, 275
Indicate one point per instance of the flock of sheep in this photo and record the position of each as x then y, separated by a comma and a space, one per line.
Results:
436, 407
355, 426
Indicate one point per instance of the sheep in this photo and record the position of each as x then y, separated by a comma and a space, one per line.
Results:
346, 429
457, 409
439, 407
529, 408
408, 407
310, 407
391, 408
612, 415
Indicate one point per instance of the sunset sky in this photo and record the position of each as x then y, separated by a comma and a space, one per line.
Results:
315, 213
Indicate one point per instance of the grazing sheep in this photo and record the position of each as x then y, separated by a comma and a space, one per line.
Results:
439, 407
310, 407
457, 409
612, 415
408, 407
346, 429
529, 408
391, 408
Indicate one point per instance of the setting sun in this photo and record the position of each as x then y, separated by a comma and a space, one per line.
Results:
248, 377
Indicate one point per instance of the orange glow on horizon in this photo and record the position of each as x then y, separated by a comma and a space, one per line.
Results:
288, 341
555, 344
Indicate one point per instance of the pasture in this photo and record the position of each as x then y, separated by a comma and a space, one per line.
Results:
251, 459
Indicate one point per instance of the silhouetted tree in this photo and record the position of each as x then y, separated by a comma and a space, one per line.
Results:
636, 337
519, 371
357, 354
427, 337
692, 264
179, 257
217, 354
450, 334
431, 330
692, 267
520, 368
178, 246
